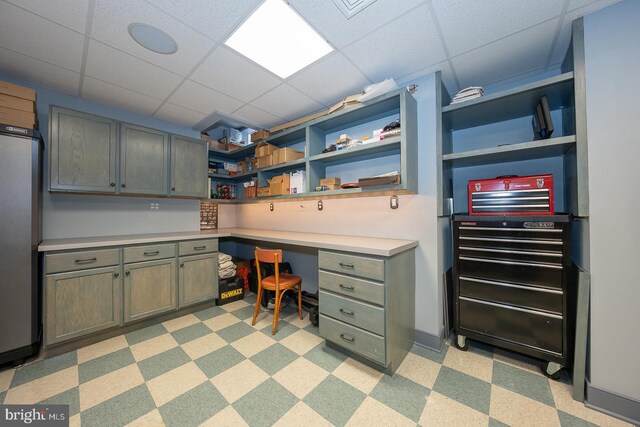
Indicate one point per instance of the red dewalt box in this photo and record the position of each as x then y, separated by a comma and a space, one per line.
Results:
511, 195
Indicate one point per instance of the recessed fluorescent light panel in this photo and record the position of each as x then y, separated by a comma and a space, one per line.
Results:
277, 38
152, 38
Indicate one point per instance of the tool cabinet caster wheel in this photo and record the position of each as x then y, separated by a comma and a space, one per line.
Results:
551, 370
461, 343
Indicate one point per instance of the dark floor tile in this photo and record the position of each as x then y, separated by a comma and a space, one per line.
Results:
104, 364
2, 395
33, 371
145, 334
193, 407
495, 423
218, 361
120, 410
70, 397
244, 313
273, 359
335, 400
522, 382
163, 362
326, 357
567, 420
235, 332
464, 388
190, 333
209, 313
402, 395
429, 353
265, 404
284, 330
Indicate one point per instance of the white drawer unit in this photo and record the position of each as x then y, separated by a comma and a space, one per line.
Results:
367, 305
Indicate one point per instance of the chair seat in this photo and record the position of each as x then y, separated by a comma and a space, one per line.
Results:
286, 281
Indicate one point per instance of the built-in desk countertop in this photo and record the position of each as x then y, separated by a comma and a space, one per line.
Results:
364, 245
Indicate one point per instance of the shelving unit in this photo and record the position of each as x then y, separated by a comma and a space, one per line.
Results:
395, 153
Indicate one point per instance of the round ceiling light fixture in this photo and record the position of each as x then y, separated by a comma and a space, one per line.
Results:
152, 38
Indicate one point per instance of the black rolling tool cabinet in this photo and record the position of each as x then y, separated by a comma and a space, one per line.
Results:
513, 285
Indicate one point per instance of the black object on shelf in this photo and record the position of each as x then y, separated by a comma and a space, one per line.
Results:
548, 123
231, 289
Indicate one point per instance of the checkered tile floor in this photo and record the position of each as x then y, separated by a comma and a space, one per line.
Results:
214, 368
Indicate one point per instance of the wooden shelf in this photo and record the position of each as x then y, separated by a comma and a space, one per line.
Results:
362, 152
300, 163
235, 178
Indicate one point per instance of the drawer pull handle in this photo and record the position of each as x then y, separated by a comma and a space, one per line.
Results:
127, 273
346, 288
116, 274
351, 340
199, 248
347, 313
152, 253
343, 265
86, 261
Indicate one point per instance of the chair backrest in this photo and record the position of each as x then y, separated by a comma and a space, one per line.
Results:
272, 256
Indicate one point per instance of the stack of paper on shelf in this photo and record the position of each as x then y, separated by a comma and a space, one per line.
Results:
467, 94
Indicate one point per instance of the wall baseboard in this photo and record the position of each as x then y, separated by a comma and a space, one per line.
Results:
433, 342
612, 404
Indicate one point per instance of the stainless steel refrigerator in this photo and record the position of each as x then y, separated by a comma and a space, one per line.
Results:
20, 230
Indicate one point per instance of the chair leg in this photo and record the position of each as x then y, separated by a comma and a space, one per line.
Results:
257, 309
300, 300
276, 312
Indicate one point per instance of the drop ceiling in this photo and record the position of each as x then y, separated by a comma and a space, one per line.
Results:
82, 47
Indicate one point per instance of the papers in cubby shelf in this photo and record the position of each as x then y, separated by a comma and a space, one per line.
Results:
468, 93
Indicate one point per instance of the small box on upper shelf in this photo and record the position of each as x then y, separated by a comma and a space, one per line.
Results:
283, 155
264, 191
332, 183
260, 135
264, 149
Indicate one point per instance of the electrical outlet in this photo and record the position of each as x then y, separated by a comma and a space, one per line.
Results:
154, 206
301, 207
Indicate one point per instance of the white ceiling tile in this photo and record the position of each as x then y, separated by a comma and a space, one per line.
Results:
217, 19
467, 24
118, 68
28, 69
255, 115
385, 52
177, 114
330, 79
446, 75
508, 57
114, 95
26, 33
287, 102
112, 17
202, 99
325, 17
228, 72
70, 13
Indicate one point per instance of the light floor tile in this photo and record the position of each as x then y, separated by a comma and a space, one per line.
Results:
470, 363
518, 360
75, 421
520, 411
236, 305
358, 375
5, 379
239, 380
300, 377
102, 348
253, 344
373, 413
203, 345
301, 415
180, 322
262, 321
419, 370
108, 386
442, 411
172, 384
157, 345
295, 320
150, 419
564, 402
43, 388
228, 417
220, 322
301, 342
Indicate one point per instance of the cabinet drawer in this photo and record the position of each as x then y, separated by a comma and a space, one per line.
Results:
193, 247
352, 287
360, 314
365, 343
543, 274
71, 261
370, 268
147, 253
527, 327
512, 294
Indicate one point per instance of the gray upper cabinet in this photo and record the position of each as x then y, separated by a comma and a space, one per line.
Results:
82, 152
144, 157
188, 167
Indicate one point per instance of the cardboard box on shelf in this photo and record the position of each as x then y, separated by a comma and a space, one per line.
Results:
280, 184
250, 192
283, 155
233, 147
346, 102
21, 104
260, 135
264, 161
216, 145
332, 181
264, 191
24, 119
264, 149
296, 122
17, 91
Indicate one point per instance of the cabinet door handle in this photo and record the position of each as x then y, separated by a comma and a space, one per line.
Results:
182, 264
151, 253
347, 313
173, 188
123, 185
199, 248
113, 184
346, 288
116, 274
86, 260
352, 340
343, 265
127, 273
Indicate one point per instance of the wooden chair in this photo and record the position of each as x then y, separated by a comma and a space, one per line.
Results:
278, 282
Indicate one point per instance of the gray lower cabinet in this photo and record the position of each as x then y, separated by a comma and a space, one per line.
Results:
367, 304
197, 278
149, 288
82, 152
144, 155
189, 167
81, 302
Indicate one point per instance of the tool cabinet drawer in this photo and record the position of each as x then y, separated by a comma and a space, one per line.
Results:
360, 314
71, 261
194, 247
535, 273
149, 252
370, 268
359, 341
352, 287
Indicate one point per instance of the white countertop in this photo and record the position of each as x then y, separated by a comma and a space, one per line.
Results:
359, 244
